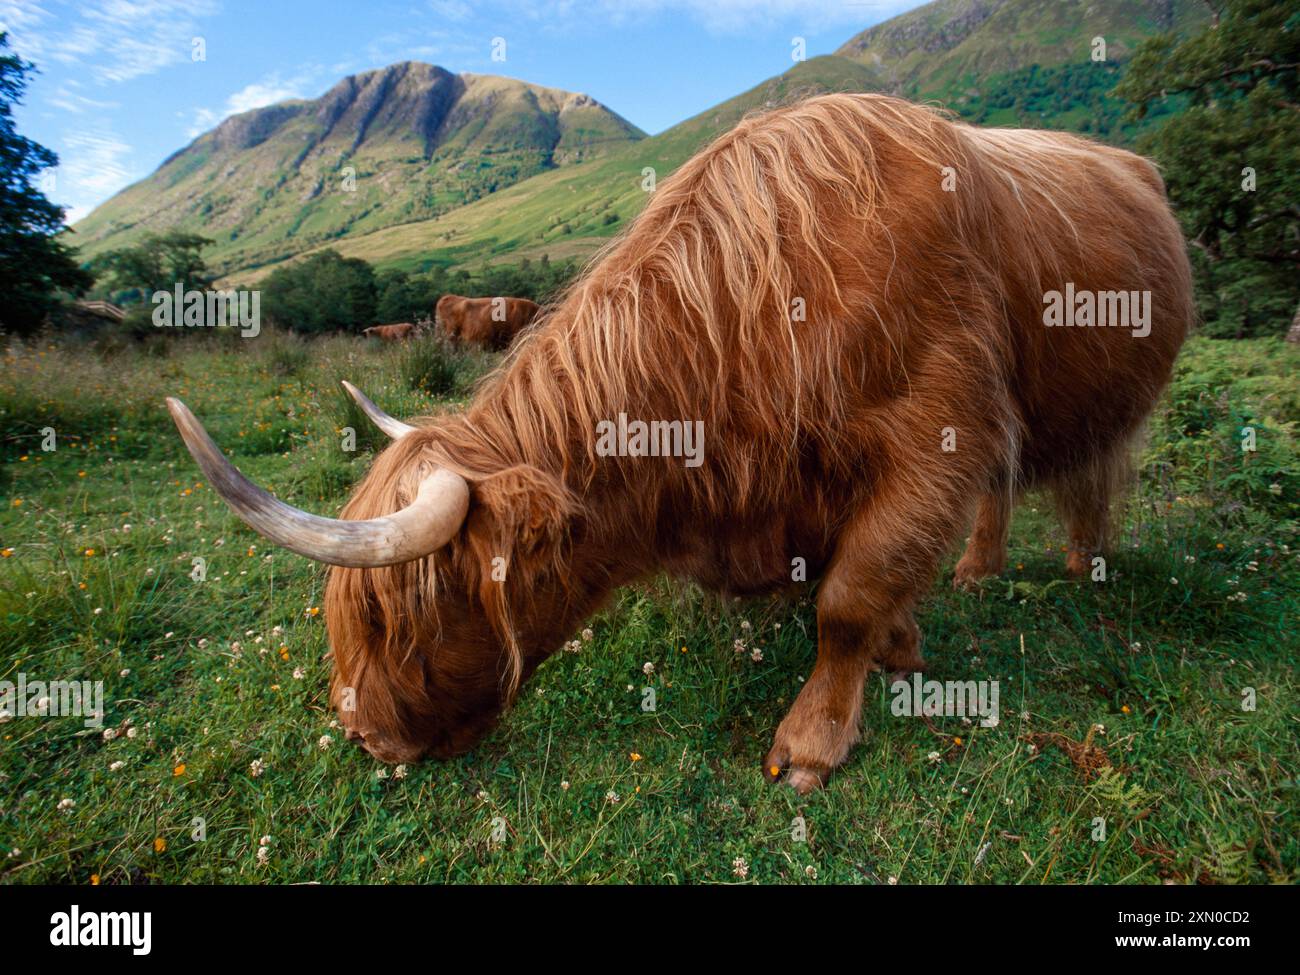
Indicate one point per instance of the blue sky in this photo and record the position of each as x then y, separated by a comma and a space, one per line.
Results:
119, 89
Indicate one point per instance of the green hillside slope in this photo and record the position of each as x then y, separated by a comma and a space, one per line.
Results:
570, 212
403, 143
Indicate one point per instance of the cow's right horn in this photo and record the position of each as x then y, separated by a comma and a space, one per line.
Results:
392, 426
422, 527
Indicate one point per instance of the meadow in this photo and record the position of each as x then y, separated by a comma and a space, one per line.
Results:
1148, 726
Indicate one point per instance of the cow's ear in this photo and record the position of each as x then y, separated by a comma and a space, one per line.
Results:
522, 507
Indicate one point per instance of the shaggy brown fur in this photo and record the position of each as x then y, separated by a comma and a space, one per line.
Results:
390, 333
824, 437
489, 323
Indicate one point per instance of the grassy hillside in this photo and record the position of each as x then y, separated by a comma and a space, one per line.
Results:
570, 212
1126, 703
996, 62
403, 143
948, 46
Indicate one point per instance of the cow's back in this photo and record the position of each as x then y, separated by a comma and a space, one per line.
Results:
1090, 220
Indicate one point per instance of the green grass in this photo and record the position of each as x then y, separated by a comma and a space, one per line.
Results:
1198, 790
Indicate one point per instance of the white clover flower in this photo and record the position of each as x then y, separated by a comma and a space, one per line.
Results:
740, 867
115, 766
256, 767
756, 655
324, 742
587, 636
65, 804
647, 668
399, 772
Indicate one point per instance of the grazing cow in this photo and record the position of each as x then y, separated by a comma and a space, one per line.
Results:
391, 333
880, 320
490, 323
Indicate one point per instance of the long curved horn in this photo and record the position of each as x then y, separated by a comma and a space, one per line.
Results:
423, 526
392, 426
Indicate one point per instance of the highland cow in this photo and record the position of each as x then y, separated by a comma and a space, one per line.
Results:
391, 333
489, 323
849, 294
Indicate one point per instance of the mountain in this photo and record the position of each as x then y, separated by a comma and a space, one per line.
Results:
570, 212
931, 50
413, 139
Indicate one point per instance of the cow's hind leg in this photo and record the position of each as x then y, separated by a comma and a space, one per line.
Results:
986, 552
1083, 500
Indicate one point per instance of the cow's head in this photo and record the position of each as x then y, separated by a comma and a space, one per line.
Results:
446, 591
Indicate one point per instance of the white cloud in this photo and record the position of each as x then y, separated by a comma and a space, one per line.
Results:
68, 98
92, 165
259, 94
17, 17
111, 40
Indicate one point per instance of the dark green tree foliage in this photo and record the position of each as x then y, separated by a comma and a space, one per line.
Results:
328, 292
406, 297
1074, 97
1231, 159
158, 263
325, 292
542, 282
34, 265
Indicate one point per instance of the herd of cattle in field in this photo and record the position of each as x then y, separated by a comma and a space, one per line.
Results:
488, 323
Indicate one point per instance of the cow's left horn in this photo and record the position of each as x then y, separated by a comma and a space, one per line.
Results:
392, 426
423, 526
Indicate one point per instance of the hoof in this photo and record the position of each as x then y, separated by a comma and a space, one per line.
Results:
971, 572
802, 778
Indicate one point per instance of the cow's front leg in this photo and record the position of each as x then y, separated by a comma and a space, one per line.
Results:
823, 724
885, 558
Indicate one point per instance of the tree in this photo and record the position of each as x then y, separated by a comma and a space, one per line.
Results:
323, 292
158, 263
1231, 159
34, 265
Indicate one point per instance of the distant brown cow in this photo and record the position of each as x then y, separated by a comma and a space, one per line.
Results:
491, 323
390, 333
